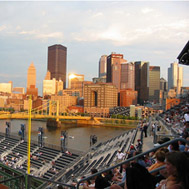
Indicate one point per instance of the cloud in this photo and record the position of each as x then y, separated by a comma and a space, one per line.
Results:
8, 76
98, 14
41, 35
146, 10
3, 27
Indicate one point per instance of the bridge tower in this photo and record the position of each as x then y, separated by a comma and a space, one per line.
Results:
50, 108
57, 110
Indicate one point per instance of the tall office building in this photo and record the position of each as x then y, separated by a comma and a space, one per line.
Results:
57, 55
127, 76
102, 66
75, 81
163, 84
163, 92
114, 69
154, 83
31, 81
51, 86
142, 81
175, 77
31, 76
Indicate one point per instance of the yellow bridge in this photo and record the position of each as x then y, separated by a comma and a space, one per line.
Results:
50, 110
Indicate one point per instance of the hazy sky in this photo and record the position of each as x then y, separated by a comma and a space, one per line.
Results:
141, 30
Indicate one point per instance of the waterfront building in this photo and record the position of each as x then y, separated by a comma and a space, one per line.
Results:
142, 81
98, 98
114, 62
139, 113
102, 67
127, 76
2, 102
64, 102
15, 103
128, 97
132, 110
57, 57
154, 84
31, 81
175, 77
6, 87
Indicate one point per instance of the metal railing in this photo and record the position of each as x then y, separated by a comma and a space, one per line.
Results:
132, 158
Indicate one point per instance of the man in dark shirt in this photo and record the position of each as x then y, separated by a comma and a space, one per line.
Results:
100, 181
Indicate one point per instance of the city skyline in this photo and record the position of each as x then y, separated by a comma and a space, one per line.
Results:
154, 32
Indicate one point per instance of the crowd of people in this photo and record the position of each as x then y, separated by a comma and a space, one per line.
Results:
141, 172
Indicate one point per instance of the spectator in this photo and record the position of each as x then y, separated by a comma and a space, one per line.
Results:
181, 146
173, 147
177, 165
186, 116
138, 177
160, 157
100, 182
120, 156
145, 127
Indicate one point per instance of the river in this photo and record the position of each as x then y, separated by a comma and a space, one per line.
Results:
79, 135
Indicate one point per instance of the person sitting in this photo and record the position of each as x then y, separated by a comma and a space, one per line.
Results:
160, 157
120, 156
138, 177
100, 181
177, 166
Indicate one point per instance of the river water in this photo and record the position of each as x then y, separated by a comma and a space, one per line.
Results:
78, 136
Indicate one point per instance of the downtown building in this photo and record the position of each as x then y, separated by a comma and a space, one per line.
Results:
31, 81
114, 62
142, 81
102, 67
163, 92
175, 77
154, 84
128, 95
57, 57
51, 86
75, 82
99, 98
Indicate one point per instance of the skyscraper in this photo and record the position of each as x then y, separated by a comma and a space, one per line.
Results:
75, 81
31, 76
154, 83
102, 66
57, 55
142, 81
175, 77
114, 69
31, 81
128, 76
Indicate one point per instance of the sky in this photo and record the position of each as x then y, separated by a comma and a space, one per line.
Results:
150, 31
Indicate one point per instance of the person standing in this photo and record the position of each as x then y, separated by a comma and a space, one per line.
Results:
145, 127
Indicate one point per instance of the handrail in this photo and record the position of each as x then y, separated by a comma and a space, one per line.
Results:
52, 181
132, 158
11, 179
